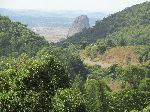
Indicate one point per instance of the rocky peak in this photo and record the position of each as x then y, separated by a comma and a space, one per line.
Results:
78, 25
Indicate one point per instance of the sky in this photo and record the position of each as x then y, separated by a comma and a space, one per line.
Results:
86, 5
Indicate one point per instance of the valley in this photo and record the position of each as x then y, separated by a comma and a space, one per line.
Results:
52, 34
75, 61
53, 25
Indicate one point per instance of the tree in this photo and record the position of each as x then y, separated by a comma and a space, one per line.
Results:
68, 100
96, 97
78, 84
133, 74
127, 100
145, 84
32, 87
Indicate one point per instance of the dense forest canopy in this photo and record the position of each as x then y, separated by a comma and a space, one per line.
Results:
16, 38
37, 76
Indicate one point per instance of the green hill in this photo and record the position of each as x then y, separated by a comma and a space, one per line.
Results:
55, 79
130, 27
16, 38
135, 15
132, 35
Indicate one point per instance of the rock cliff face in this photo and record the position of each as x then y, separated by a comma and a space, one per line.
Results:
78, 25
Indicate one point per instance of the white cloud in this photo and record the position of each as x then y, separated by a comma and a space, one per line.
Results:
89, 5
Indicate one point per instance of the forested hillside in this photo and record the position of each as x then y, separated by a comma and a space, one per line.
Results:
15, 39
133, 29
30, 69
135, 15
136, 36
36, 76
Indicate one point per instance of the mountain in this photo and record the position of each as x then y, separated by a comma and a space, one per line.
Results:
126, 43
80, 23
135, 15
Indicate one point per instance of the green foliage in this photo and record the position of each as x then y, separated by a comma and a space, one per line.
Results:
147, 65
128, 100
38, 84
95, 95
143, 53
16, 38
69, 58
78, 84
146, 109
6, 80
129, 36
95, 72
32, 87
69, 100
145, 84
41, 83
133, 75
97, 49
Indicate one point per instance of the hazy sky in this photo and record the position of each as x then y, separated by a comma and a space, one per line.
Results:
88, 5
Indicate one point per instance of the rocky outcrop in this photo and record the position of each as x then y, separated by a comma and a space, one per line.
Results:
78, 25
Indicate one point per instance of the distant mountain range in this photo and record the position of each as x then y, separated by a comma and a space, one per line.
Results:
35, 18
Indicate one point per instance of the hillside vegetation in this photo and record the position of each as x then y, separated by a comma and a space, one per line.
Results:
135, 32
116, 47
36, 76
133, 16
16, 38
117, 55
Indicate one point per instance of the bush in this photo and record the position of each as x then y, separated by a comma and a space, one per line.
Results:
69, 100
32, 87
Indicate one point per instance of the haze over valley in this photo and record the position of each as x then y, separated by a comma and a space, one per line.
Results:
53, 25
